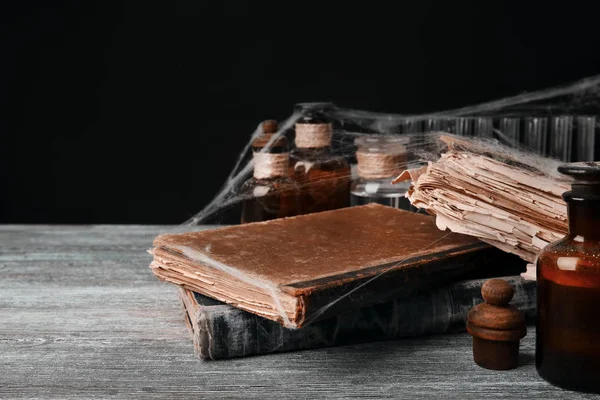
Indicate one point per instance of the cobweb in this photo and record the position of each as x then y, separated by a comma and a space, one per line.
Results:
548, 126
540, 129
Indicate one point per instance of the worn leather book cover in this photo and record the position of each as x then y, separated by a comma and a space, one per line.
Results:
302, 269
220, 331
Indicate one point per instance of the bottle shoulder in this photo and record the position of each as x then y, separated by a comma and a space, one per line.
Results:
572, 245
323, 156
572, 260
268, 185
379, 187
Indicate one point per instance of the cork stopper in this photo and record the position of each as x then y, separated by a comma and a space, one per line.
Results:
314, 113
269, 128
496, 326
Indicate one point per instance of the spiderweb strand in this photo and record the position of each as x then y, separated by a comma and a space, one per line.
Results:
422, 132
365, 122
322, 310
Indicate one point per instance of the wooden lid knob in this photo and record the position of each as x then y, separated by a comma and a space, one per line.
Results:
505, 321
497, 292
496, 326
270, 126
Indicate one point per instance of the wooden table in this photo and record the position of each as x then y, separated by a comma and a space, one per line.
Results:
82, 316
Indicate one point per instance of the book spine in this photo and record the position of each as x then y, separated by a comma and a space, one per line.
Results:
222, 331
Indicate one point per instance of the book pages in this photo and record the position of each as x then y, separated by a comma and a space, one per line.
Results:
484, 190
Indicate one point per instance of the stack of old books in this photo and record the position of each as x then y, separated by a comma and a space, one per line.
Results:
337, 277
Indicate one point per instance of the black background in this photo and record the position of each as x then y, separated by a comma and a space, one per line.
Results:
135, 112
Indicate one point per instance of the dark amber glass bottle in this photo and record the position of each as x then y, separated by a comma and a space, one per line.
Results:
270, 193
323, 176
568, 275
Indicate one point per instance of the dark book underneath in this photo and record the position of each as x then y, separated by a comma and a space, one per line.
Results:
302, 269
222, 331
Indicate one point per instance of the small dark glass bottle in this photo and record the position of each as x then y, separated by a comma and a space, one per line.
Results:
323, 176
568, 275
270, 193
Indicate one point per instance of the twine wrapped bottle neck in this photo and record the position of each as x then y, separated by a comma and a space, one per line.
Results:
270, 165
380, 156
379, 165
313, 135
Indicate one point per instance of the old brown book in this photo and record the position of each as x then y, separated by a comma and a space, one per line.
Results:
301, 269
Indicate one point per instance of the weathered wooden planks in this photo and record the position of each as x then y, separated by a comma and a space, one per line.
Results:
81, 316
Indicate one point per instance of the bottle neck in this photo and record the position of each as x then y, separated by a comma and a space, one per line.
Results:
310, 135
584, 217
270, 165
379, 165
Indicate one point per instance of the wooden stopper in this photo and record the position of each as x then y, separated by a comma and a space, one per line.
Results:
270, 126
497, 292
496, 327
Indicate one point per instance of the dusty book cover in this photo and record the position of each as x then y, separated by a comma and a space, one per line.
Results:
303, 269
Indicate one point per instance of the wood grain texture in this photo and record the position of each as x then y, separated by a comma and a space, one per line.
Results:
82, 316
